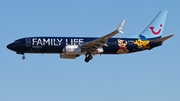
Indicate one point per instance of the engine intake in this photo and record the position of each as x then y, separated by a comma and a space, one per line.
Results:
72, 49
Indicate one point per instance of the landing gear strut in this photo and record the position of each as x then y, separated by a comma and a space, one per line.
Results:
88, 57
21, 53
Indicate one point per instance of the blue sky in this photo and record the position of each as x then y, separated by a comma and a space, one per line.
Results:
145, 76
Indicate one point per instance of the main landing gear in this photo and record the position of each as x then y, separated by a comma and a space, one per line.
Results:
88, 57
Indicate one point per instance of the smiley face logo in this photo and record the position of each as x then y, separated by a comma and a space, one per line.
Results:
156, 32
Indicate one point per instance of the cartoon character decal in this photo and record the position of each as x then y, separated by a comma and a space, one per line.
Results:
122, 47
142, 42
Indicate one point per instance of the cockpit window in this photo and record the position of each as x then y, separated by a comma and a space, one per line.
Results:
17, 41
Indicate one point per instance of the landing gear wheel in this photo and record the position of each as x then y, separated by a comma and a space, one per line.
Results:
23, 57
88, 57
86, 60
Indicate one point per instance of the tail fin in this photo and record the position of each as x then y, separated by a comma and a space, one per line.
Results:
155, 28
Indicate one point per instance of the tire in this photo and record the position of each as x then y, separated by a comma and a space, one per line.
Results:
86, 59
90, 57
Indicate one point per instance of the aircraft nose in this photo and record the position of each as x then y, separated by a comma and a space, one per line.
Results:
10, 46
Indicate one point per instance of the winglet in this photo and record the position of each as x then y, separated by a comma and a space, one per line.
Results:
119, 29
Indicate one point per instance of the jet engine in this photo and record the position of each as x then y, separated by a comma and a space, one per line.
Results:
72, 50
67, 56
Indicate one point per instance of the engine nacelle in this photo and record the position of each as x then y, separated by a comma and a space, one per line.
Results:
67, 56
72, 49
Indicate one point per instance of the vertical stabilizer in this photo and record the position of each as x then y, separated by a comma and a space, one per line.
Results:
155, 28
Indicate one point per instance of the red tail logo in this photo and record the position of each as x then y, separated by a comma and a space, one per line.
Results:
154, 32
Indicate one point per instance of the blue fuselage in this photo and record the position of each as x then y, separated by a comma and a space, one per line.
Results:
56, 44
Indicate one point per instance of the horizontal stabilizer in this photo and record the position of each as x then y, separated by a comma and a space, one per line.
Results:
160, 40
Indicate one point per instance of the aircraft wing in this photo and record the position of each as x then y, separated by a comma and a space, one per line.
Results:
97, 43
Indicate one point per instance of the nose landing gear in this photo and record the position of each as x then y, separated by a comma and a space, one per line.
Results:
22, 53
23, 57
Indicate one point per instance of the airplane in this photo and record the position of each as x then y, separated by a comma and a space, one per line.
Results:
73, 47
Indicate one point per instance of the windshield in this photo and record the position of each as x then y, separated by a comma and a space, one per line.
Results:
17, 41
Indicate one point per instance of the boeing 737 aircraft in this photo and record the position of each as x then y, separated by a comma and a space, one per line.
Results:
72, 47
